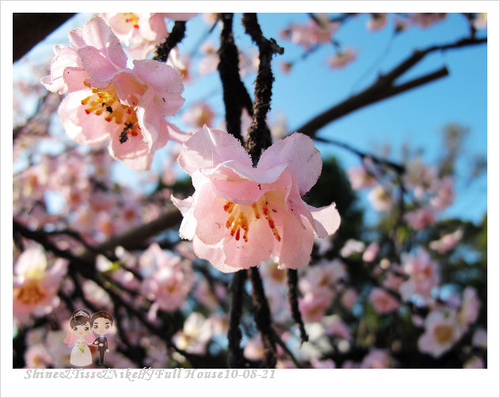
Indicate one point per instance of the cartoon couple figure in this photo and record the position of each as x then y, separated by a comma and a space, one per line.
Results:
81, 335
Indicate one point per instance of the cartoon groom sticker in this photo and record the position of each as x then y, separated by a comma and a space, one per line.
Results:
102, 324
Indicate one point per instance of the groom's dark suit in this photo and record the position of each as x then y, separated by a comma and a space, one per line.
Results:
102, 349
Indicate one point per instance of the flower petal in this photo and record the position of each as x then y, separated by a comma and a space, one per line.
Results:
209, 147
326, 220
303, 159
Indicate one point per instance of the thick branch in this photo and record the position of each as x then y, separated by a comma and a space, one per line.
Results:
383, 87
174, 38
235, 357
294, 303
236, 97
259, 135
262, 316
30, 29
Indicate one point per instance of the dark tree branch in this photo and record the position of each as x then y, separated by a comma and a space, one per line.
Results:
294, 303
262, 316
174, 38
29, 29
384, 87
235, 357
259, 135
236, 97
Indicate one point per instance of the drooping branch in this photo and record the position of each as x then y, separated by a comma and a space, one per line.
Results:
174, 38
259, 135
384, 87
236, 97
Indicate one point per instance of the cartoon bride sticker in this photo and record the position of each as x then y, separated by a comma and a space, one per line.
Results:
80, 338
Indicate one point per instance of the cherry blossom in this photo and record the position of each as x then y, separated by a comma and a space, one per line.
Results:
423, 273
376, 359
383, 302
360, 178
241, 215
315, 31
381, 198
195, 335
421, 218
198, 115
371, 252
167, 283
342, 58
376, 22
35, 284
109, 101
441, 332
469, 309
446, 242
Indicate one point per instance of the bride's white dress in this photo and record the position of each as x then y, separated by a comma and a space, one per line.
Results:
80, 354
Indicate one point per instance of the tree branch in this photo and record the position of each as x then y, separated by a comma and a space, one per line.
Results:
383, 87
174, 38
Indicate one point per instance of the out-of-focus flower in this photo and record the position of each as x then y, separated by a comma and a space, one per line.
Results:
383, 302
352, 246
381, 198
342, 58
376, 22
169, 282
474, 362
349, 298
481, 21
195, 334
469, 310
317, 30
37, 357
109, 101
446, 242
423, 272
336, 327
241, 215
198, 115
376, 359
425, 20
441, 332
445, 196
421, 218
314, 305
322, 364
360, 178
371, 252
480, 339
210, 60
36, 286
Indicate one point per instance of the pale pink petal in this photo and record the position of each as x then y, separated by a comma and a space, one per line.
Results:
326, 220
209, 147
179, 16
303, 159
213, 254
80, 127
135, 152
165, 81
188, 224
96, 33
97, 65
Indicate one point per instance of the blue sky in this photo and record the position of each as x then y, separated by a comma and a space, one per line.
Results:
415, 117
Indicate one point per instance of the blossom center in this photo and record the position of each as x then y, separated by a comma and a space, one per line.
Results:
241, 217
443, 333
104, 101
131, 19
31, 293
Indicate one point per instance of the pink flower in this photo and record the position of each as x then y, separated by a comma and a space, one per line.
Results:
376, 22
140, 33
423, 273
35, 287
481, 21
445, 196
380, 198
314, 304
446, 242
198, 115
108, 101
169, 284
383, 302
349, 298
241, 215
441, 332
322, 364
312, 33
371, 252
425, 20
335, 327
421, 218
352, 246
360, 178
342, 58
376, 359
469, 309
196, 333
